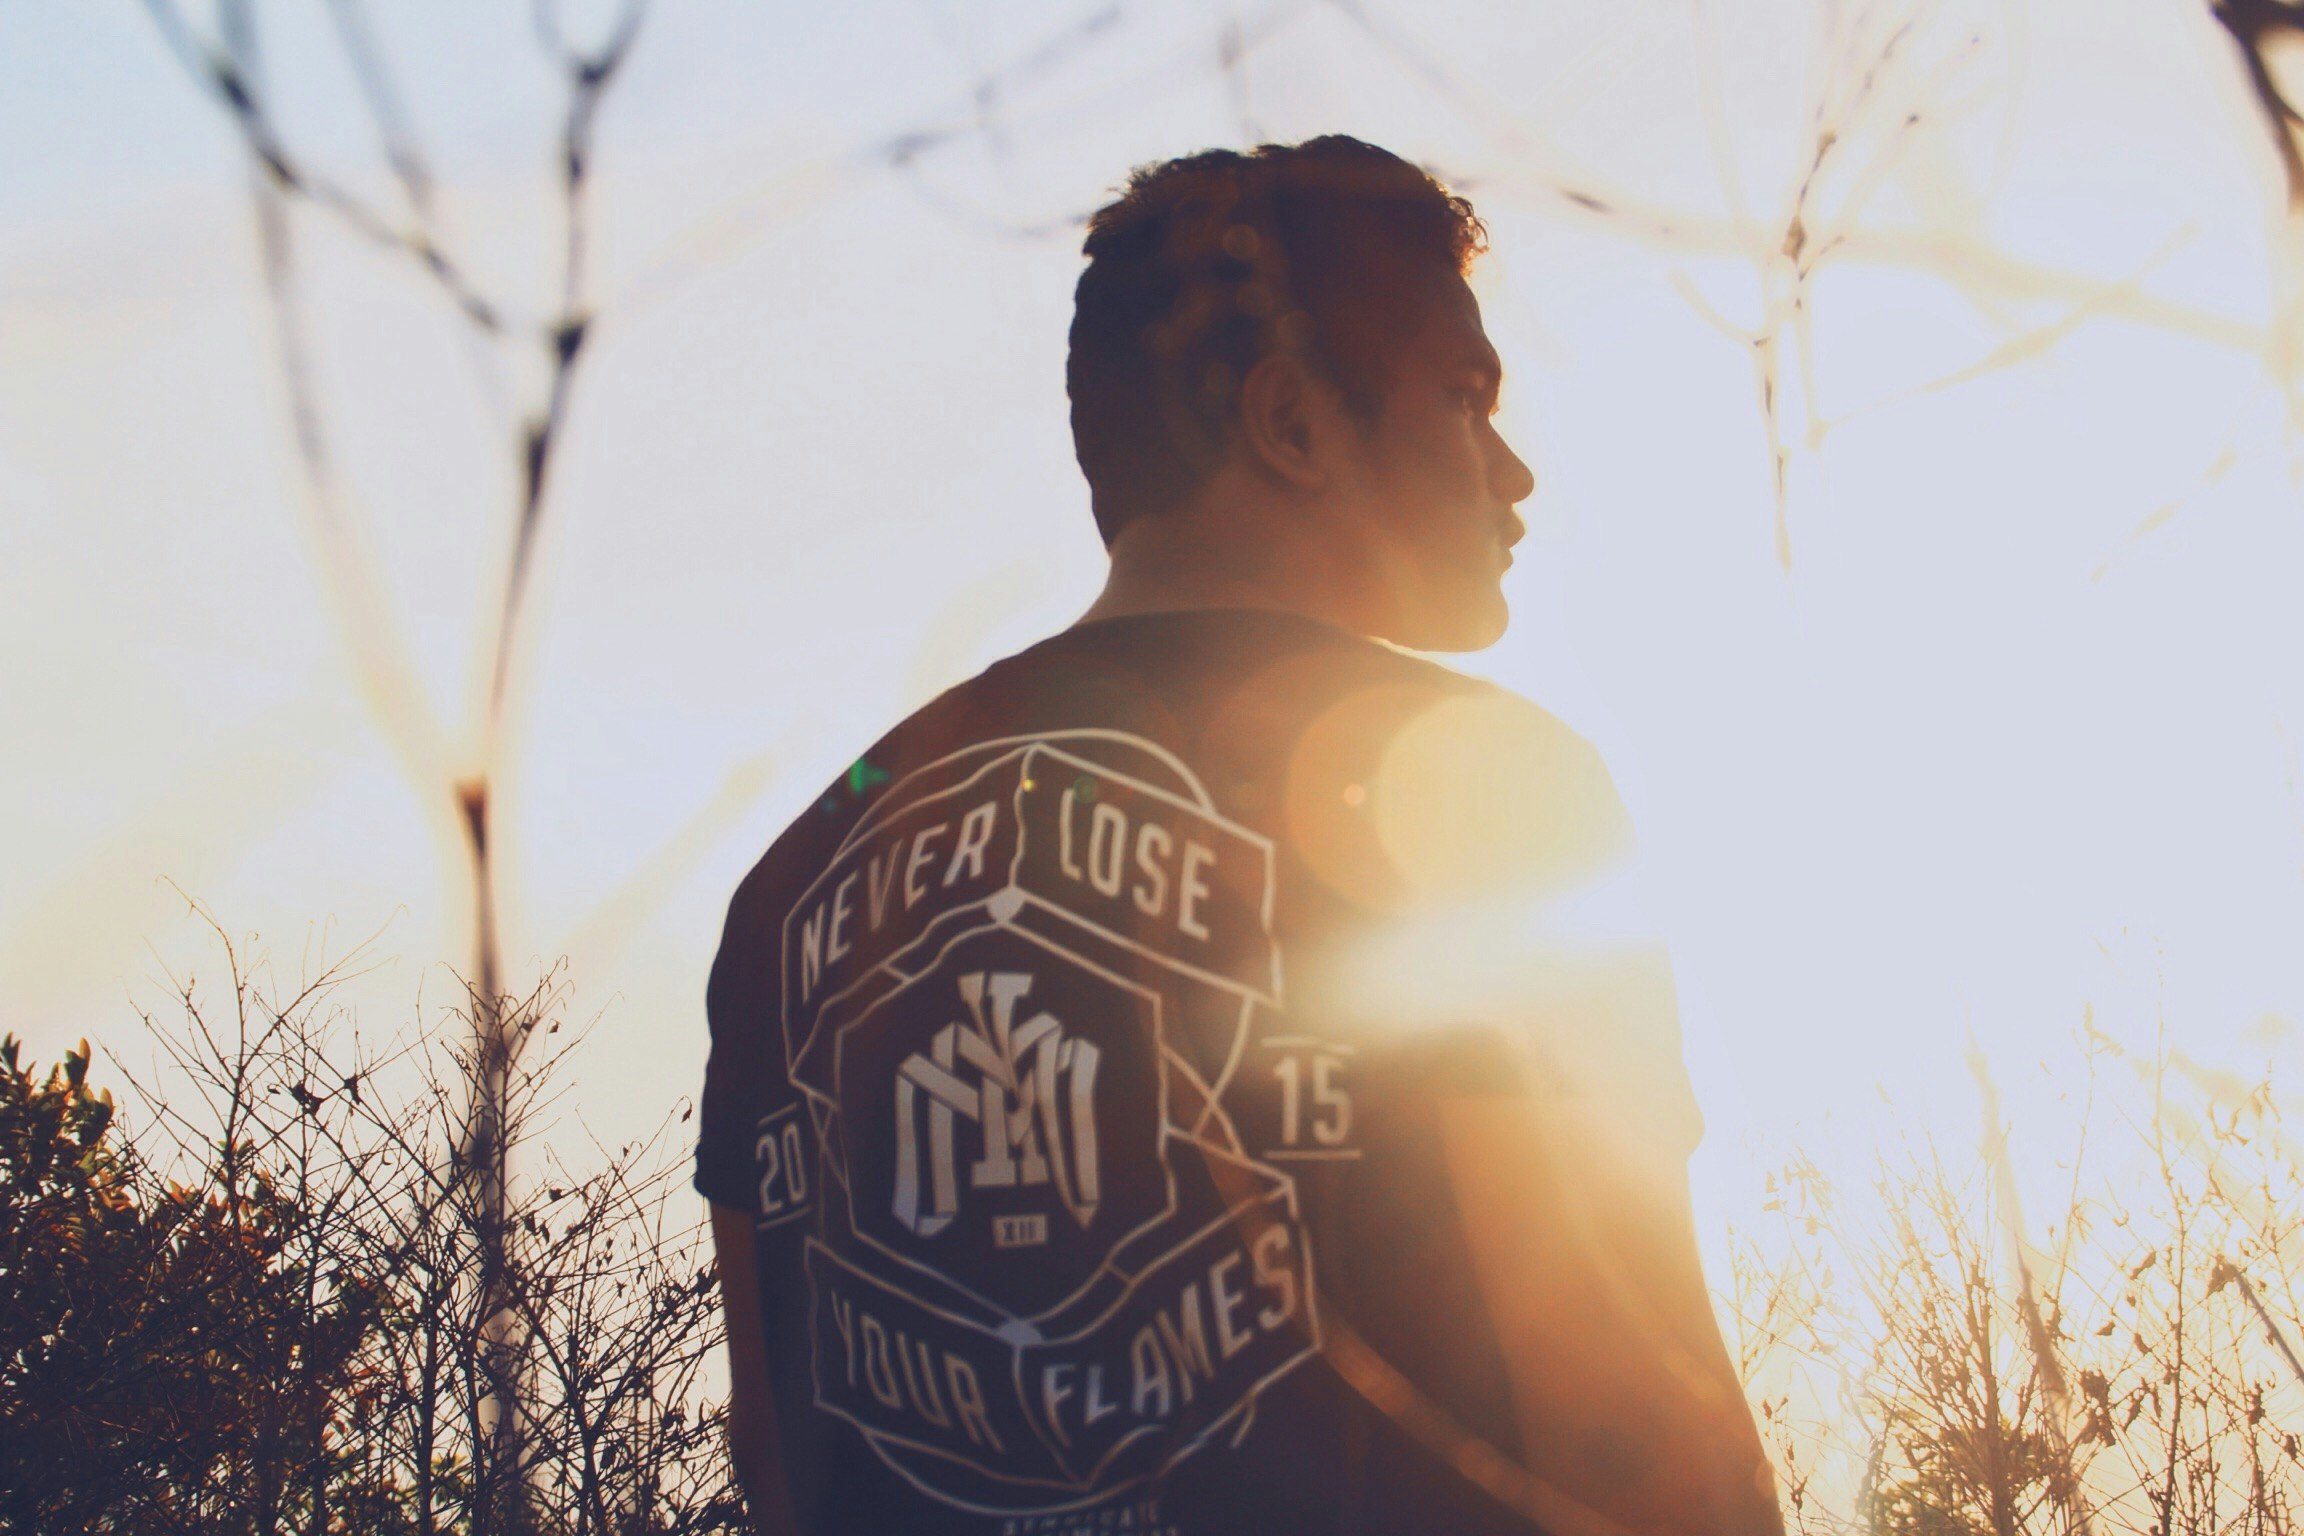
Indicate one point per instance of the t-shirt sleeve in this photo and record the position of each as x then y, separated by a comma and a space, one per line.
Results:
1522, 905
738, 1005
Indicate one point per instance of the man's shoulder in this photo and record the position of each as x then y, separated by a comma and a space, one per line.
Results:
1191, 685
1197, 702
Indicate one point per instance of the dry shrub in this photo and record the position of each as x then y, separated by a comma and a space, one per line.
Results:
252, 1300
1923, 1365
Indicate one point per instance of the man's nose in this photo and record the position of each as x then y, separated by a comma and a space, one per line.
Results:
1510, 477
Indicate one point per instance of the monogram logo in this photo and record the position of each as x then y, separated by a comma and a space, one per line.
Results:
1031, 1101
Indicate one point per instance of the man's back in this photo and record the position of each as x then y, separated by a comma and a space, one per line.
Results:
1087, 1058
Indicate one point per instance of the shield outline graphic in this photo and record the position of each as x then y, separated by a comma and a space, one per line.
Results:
1148, 1004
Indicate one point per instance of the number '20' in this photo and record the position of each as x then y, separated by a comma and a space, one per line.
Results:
783, 1175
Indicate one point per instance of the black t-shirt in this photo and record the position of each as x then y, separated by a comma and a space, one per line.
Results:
1077, 1055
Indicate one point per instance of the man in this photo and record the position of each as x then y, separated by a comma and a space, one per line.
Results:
1188, 1078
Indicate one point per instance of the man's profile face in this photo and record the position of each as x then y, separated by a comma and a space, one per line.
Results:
1429, 493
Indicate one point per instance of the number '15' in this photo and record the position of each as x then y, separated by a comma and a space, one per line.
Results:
1331, 1116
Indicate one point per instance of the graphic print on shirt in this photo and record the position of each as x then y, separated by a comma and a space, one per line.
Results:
1042, 1267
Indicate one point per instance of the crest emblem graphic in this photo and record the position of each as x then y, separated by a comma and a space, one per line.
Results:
1043, 1267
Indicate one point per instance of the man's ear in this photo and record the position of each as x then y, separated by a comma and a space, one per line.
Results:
1287, 415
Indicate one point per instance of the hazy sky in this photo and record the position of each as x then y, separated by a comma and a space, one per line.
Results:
2015, 734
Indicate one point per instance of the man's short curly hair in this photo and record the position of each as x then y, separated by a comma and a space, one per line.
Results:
1210, 262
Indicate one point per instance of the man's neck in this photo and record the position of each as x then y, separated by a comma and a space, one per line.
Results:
1225, 558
